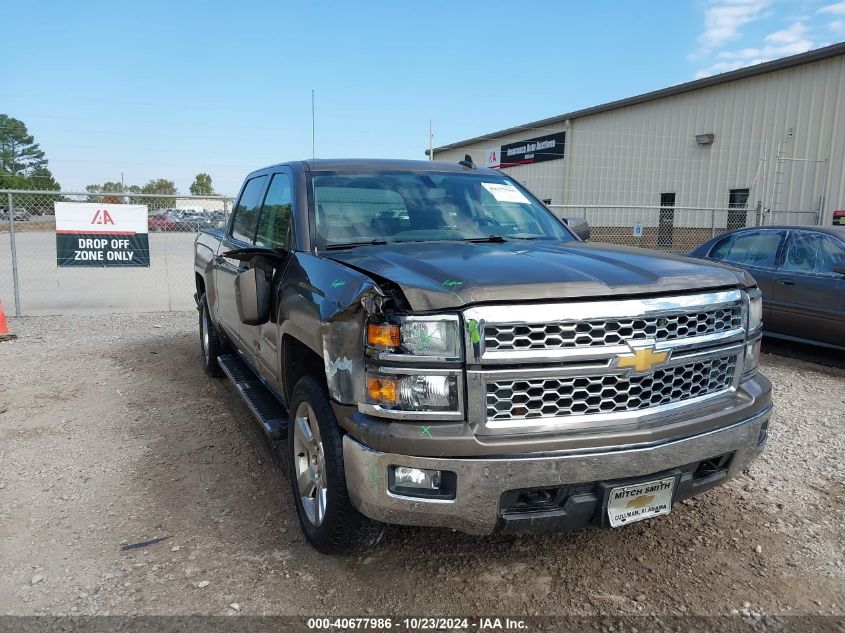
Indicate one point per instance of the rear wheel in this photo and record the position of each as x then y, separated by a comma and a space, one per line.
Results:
315, 449
211, 345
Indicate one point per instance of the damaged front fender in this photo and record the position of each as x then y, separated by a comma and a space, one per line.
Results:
329, 304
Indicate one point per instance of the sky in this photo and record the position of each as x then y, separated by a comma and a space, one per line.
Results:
169, 89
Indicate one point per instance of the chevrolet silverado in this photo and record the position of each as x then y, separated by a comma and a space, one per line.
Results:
426, 343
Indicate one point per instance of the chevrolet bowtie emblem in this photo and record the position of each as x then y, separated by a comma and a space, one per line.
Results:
643, 359
640, 502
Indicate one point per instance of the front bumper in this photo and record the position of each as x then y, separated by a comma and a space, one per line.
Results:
483, 483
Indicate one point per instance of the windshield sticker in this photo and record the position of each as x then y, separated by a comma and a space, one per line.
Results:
505, 193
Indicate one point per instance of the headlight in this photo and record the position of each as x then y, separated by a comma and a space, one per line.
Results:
755, 324
417, 392
755, 309
752, 357
424, 336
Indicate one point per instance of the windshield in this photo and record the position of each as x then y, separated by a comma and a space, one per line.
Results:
355, 208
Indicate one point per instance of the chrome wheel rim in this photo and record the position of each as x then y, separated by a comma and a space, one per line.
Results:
204, 336
310, 464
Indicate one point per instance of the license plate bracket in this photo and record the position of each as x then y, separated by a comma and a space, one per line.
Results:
637, 501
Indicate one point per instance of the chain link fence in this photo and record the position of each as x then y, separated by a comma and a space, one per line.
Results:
673, 229
31, 283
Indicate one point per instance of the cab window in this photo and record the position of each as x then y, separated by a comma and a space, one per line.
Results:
246, 212
274, 223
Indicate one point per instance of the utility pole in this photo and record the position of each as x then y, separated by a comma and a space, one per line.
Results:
430, 141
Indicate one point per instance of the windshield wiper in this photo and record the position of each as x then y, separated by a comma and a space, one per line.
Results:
495, 239
339, 245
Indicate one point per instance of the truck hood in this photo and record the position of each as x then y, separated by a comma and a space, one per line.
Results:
449, 275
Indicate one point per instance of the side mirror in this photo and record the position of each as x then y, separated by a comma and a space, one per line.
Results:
252, 296
579, 226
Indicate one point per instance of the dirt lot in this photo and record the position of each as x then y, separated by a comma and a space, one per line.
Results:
111, 434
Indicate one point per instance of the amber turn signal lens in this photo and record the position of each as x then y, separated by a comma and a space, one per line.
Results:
383, 335
382, 389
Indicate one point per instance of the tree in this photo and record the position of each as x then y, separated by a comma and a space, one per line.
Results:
160, 186
114, 193
19, 153
42, 178
202, 186
107, 187
10, 181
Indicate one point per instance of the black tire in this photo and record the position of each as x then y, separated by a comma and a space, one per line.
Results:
342, 528
211, 345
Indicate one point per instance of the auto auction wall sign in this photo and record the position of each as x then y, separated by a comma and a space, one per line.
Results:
533, 150
492, 157
91, 234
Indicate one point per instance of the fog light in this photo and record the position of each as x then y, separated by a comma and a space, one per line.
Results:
406, 477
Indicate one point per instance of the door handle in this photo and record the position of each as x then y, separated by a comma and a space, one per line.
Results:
786, 282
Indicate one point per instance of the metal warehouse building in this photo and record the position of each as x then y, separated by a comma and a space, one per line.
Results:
758, 145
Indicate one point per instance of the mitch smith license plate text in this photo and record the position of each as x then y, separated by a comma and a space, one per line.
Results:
637, 502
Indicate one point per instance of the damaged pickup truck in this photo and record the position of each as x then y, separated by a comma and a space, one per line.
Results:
433, 347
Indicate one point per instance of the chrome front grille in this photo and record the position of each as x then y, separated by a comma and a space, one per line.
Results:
610, 393
600, 332
573, 366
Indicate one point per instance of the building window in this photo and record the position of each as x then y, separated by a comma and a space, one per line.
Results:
738, 209
667, 220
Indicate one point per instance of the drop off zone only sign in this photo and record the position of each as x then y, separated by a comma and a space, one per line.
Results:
91, 234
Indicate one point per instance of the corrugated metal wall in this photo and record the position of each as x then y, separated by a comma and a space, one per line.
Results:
631, 155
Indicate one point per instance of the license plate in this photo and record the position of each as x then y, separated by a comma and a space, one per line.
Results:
637, 502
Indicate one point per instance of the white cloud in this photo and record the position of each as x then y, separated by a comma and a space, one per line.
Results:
837, 26
790, 35
789, 41
723, 20
837, 8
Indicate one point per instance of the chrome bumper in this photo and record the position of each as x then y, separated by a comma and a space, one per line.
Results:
481, 482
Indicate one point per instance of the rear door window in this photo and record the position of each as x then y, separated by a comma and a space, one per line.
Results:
274, 224
246, 211
753, 248
812, 253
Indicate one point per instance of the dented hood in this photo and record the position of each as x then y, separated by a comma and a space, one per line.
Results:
448, 275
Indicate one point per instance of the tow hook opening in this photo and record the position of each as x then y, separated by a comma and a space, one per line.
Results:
764, 433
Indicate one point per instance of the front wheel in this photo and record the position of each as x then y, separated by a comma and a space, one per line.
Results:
315, 449
210, 344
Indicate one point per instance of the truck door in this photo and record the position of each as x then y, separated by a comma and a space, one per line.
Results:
274, 231
240, 233
810, 296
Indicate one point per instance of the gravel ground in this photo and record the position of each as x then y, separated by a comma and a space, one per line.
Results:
111, 434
